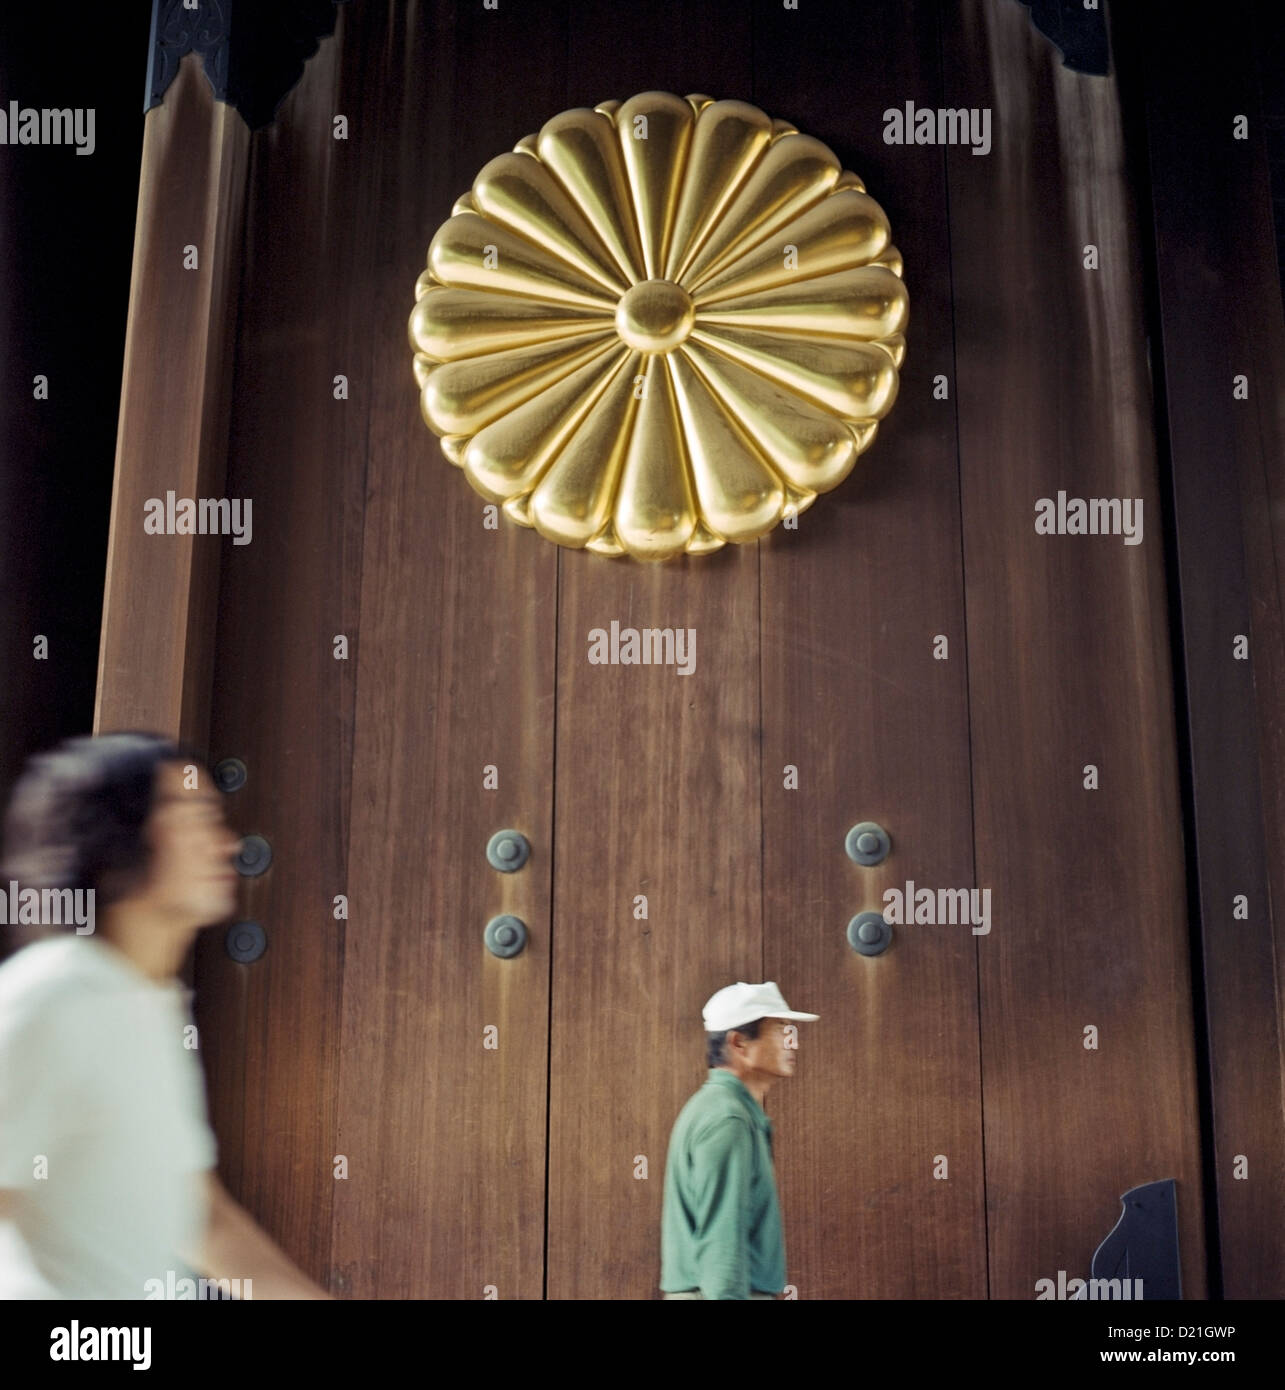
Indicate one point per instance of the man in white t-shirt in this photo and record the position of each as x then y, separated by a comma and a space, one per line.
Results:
107, 1181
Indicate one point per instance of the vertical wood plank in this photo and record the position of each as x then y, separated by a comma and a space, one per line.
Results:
656, 793
282, 703
854, 697
1068, 666
156, 654
1228, 479
157, 651
445, 1138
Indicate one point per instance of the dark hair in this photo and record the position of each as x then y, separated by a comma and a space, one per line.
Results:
76, 816
716, 1043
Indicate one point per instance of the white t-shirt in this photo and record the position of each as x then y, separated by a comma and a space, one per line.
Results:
95, 1076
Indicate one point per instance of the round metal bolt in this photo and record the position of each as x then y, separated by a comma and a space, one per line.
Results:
254, 856
505, 935
508, 850
245, 941
230, 775
867, 843
869, 934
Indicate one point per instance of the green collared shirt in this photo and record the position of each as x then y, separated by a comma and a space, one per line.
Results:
720, 1228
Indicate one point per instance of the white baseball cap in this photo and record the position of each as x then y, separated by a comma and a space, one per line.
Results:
741, 1003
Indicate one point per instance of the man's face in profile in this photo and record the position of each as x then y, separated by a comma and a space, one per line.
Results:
191, 874
775, 1050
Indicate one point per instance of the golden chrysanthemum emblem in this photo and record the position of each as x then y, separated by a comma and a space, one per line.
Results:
659, 326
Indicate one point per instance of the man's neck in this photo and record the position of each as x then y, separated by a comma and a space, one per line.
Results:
756, 1083
148, 937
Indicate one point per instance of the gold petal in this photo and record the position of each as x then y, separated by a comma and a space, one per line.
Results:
844, 230
464, 203
448, 323
812, 449
581, 148
869, 302
655, 515
896, 344
892, 259
469, 252
516, 509
655, 166
462, 397
421, 365
740, 497
453, 446
795, 173
848, 179
855, 380
572, 502
704, 541
509, 455
863, 431
607, 543
521, 194
727, 142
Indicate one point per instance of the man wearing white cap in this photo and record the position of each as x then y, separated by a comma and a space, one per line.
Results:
720, 1234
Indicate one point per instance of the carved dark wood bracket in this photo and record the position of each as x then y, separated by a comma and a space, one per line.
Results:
1139, 1259
1080, 35
253, 53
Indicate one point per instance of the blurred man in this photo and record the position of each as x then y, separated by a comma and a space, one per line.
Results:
721, 1223
107, 1181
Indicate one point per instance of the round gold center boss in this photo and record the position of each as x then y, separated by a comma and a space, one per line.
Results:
659, 326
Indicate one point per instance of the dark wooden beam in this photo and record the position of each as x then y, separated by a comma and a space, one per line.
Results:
1216, 317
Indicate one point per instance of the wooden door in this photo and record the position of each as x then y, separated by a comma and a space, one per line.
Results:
412, 1116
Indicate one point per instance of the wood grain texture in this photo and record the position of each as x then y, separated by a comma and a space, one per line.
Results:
283, 703
853, 600
455, 662
156, 655
814, 648
1068, 666
1219, 305
657, 781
